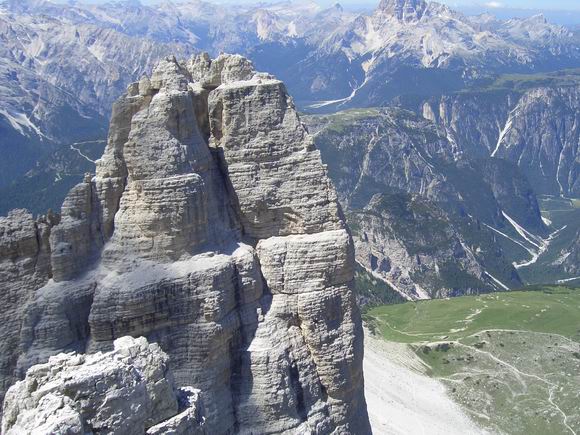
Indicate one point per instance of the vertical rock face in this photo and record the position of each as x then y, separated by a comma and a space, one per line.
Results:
571, 258
261, 142
542, 135
537, 130
471, 122
212, 229
24, 267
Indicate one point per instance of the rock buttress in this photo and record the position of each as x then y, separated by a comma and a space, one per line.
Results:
212, 229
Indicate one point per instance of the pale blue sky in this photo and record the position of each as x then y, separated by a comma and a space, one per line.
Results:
511, 4
519, 4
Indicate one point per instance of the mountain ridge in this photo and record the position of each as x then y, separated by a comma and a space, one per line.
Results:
211, 228
412, 204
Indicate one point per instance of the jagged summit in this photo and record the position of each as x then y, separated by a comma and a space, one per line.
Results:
404, 10
212, 229
93, 50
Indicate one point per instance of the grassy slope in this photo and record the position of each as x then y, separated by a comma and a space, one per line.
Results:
554, 310
510, 359
523, 82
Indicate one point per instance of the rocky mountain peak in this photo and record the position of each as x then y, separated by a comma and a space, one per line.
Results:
537, 18
403, 10
212, 229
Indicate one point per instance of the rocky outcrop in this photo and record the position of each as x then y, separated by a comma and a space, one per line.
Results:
127, 391
211, 228
570, 260
471, 122
418, 249
261, 158
426, 218
24, 267
542, 135
403, 10
536, 129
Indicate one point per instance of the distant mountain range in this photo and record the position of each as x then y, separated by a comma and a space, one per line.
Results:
70, 61
494, 102
426, 221
417, 48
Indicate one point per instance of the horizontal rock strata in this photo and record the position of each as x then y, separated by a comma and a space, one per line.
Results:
24, 267
212, 229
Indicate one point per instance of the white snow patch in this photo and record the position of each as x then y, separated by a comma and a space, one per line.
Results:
386, 281
421, 293
80, 153
560, 260
509, 238
340, 101
292, 31
563, 281
497, 281
540, 245
326, 103
545, 244
19, 122
562, 192
546, 221
502, 134
531, 238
